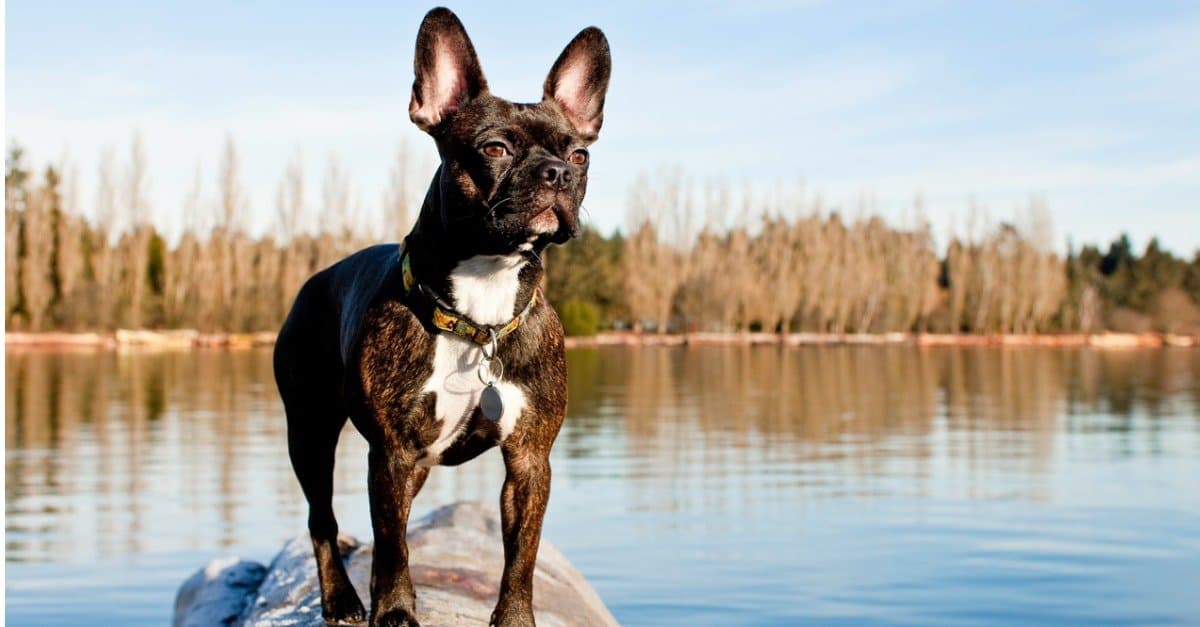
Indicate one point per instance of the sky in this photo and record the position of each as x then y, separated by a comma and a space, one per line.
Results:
1091, 107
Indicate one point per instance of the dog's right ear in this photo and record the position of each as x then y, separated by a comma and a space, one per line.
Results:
447, 70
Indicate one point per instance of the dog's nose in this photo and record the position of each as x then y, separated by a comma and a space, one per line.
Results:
555, 173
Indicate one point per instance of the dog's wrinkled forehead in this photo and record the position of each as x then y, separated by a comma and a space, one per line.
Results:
523, 124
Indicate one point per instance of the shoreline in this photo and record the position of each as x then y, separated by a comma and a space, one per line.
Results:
168, 339
190, 339
1061, 340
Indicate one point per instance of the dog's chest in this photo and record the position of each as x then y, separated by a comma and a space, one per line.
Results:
485, 290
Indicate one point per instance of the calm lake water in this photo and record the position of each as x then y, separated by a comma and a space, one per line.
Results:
692, 486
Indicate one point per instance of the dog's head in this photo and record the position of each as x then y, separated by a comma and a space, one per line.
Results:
513, 175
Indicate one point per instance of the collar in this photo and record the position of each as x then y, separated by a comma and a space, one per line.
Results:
447, 319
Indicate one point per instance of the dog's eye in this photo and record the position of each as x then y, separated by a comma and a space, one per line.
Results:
579, 157
495, 150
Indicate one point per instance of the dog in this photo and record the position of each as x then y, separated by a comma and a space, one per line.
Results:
444, 346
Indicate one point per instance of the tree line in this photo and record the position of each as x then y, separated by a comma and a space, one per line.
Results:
116, 269
692, 257
706, 257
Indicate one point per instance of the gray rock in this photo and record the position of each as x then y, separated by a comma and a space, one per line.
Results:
217, 593
455, 557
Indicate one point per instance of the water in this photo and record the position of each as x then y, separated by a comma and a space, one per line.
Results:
701, 486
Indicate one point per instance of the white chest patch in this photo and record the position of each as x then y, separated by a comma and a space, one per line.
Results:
485, 290
485, 287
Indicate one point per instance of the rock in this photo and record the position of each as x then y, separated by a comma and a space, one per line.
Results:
216, 594
455, 555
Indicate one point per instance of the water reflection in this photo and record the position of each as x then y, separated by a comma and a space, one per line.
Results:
111, 454
836, 413
103, 446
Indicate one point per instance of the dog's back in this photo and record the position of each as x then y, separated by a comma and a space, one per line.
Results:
325, 320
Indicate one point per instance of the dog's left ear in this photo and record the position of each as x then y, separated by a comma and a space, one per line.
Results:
579, 80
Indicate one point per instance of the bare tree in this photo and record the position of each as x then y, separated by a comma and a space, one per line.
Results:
37, 286
16, 195
396, 214
659, 214
137, 210
69, 248
289, 199
181, 297
233, 205
1046, 278
336, 206
226, 245
291, 206
105, 260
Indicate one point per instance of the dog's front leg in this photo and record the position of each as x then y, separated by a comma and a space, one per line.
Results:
394, 479
522, 507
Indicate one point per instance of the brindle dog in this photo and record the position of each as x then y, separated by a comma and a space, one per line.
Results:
363, 343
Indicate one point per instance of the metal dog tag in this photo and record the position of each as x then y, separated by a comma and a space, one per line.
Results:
491, 403
489, 400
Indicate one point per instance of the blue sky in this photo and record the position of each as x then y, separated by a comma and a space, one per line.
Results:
1094, 106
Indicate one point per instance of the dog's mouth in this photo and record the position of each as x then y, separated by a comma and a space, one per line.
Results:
556, 219
534, 223
545, 222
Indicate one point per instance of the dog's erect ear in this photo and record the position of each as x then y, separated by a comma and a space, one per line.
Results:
579, 80
448, 72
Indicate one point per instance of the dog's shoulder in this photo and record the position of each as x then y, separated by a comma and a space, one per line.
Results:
358, 283
536, 350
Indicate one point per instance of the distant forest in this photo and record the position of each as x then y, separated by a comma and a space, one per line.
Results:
693, 257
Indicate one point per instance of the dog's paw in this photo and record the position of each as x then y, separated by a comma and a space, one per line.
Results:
511, 618
343, 608
395, 618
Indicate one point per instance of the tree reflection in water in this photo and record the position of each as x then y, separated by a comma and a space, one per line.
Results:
116, 452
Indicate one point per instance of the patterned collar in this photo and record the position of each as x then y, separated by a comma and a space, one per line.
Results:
449, 320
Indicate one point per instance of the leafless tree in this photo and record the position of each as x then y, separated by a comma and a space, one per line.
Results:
36, 273
656, 253
289, 199
396, 213
335, 199
291, 210
137, 210
181, 295
233, 204
70, 235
